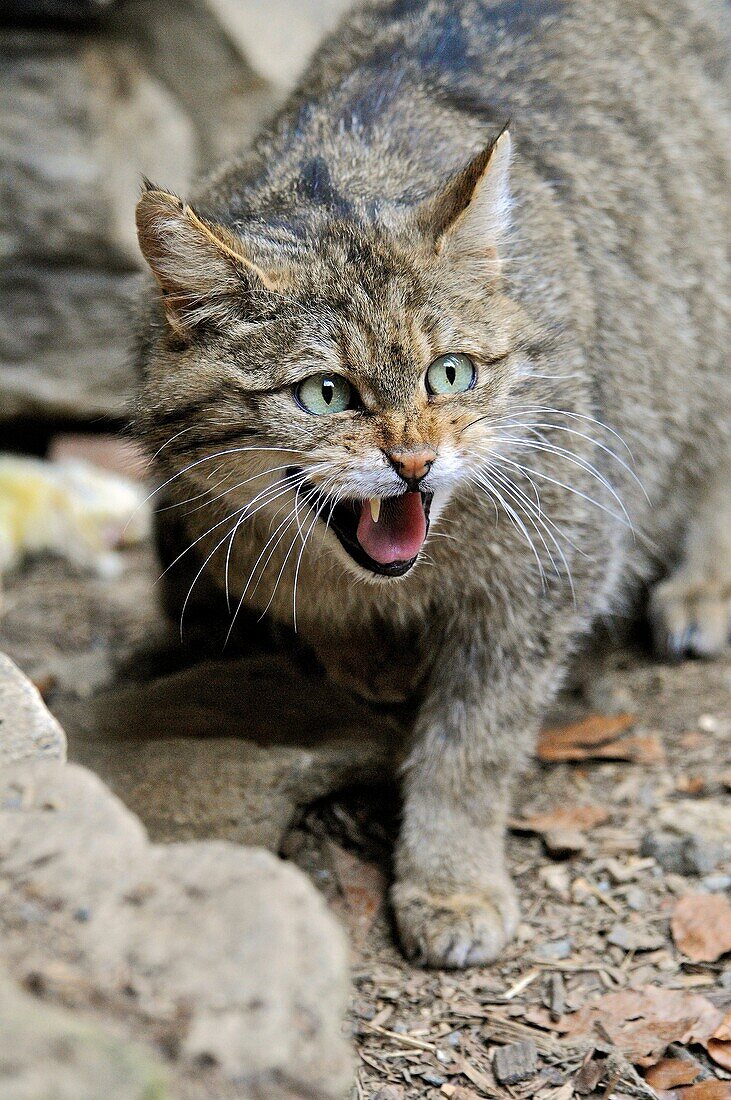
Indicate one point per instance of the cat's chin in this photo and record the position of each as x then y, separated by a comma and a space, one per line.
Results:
343, 519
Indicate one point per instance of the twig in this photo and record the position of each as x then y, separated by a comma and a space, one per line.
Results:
405, 1040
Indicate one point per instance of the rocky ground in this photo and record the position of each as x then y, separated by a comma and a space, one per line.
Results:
621, 844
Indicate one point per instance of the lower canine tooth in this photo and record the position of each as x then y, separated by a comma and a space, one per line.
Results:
375, 503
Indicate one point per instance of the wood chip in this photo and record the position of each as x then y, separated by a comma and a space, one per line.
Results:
515, 1062
589, 1076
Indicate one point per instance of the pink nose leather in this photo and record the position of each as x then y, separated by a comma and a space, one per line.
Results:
413, 465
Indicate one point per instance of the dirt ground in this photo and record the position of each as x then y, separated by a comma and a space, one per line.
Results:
606, 848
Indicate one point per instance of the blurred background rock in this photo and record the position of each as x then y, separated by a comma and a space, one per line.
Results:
93, 94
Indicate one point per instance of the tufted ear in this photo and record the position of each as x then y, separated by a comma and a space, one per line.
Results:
200, 266
469, 217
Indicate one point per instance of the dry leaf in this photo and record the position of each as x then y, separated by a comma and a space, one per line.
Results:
640, 749
719, 1044
643, 1022
579, 738
701, 926
363, 889
670, 1072
704, 1090
599, 738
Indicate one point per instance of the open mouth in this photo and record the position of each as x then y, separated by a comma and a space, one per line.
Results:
382, 534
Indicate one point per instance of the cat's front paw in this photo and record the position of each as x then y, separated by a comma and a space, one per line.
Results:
455, 930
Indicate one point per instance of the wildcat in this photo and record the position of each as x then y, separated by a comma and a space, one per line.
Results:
437, 371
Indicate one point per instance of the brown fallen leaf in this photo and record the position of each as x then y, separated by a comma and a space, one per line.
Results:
580, 737
562, 828
670, 1072
578, 818
704, 1090
701, 926
643, 1022
719, 1044
363, 891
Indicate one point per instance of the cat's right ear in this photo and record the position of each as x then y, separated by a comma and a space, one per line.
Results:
200, 266
467, 221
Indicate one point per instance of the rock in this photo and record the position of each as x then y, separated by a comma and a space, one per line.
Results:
278, 36
50, 1052
50, 814
162, 91
247, 945
708, 818
81, 121
515, 1062
230, 749
555, 949
27, 728
634, 939
636, 898
229, 946
687, 855
557, 879
564, 843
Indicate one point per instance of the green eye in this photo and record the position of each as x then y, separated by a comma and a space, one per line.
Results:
451, 374
321, 394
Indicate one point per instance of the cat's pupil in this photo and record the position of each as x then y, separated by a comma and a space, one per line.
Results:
451, 374
328, 390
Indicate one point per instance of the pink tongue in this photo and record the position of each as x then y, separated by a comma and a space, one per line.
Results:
400, 532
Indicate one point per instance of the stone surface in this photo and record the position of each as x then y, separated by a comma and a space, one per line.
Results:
50, 1052
226, 952
687, 855
159, 90
707, 818
27, 728
81, 120
64, 342
278, 36
229, 749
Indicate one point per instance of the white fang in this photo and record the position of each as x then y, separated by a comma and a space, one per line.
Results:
375, 503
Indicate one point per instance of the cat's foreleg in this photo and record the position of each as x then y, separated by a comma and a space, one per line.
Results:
691, 609
454, 902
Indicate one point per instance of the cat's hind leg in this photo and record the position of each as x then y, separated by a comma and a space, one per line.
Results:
691, 609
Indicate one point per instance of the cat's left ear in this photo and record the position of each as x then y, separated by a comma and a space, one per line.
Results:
468, 219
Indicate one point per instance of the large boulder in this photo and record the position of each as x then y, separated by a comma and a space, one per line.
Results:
51, 1052
151, 89
226, 954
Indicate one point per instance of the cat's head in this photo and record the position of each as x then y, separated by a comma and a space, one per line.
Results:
338, 374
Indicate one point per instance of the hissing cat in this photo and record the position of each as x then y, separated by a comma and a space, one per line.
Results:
443, 393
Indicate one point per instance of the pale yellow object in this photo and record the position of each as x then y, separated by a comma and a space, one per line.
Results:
69, 508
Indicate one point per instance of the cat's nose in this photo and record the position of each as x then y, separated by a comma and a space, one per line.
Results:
412, 466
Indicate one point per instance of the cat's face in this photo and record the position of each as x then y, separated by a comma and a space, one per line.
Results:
347, 384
